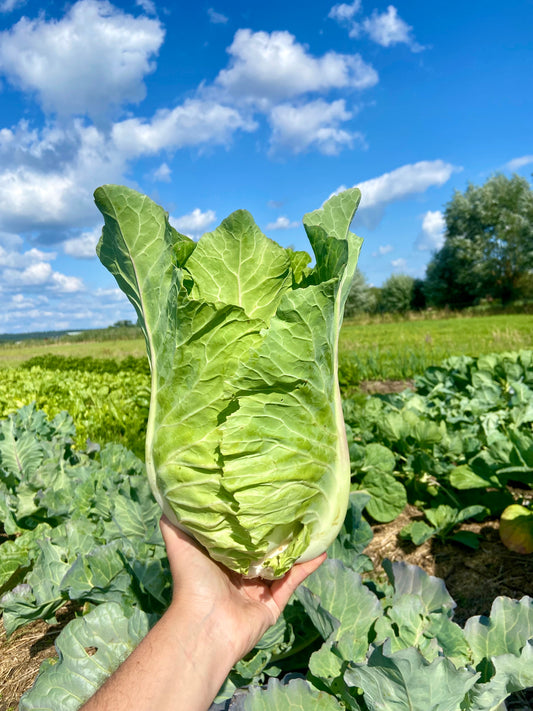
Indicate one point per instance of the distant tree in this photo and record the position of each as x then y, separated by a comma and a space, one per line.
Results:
361, 298
123, 323
418, 301
488, 247
397, 294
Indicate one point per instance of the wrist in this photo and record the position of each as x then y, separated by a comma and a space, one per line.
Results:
206, 636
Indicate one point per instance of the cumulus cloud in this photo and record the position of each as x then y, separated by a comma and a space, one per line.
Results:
382, 250
10, 5
84, 246
195, 223
193, 123
162, 173
399, 184
271, 67
10, 241
282, 223
344, 12
47, 177
385, 28
217, 18
148, 6
403, 182
316, 124
48, 174
90, 61
19, 260
433, 226
32, 269
399, 265
518, 163
66, 284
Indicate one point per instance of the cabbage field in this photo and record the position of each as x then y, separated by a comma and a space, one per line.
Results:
80, 533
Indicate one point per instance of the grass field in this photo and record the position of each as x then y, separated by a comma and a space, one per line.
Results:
401, 349
13, 354
369, 350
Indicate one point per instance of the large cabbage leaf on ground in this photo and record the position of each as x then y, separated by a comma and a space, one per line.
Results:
246, 447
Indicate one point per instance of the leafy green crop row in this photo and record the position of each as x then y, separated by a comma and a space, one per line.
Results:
341, 644
454, 447
88, 364
105, 406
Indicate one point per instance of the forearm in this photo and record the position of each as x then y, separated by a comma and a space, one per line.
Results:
179, 666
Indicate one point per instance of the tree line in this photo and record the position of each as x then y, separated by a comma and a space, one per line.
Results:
486, 257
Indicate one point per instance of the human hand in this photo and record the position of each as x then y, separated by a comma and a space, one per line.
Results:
238, 608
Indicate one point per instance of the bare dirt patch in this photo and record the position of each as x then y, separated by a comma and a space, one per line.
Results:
381, 387
473, 577
21, 655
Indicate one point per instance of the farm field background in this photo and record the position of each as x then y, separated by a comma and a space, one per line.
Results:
429, 499
378, 348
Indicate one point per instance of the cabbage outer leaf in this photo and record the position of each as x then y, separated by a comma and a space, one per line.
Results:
245, 448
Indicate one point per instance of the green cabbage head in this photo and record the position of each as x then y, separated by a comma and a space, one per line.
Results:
246, 447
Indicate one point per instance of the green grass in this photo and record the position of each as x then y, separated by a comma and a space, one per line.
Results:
401, 349
13, 354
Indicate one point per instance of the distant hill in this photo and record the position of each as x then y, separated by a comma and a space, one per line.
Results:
119, 331
36, 335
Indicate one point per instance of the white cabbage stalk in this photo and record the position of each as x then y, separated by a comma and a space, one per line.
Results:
246, 446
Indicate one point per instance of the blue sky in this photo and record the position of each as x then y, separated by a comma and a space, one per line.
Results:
210, 107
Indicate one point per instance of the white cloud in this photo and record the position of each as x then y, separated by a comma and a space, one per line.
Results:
162, 173
344, 15
194, 223
399, 184
148, 6
399, 264
191, 124
518, 163
382, 250
433, 226
90, 61
217, 18
388, 28
344, 12
32, 269
385, 28
22, 301
267, 68
84, 246
66, 284
47, 177
403, 182
282, 223
10, 240
10, 5
18, 260
312, 125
